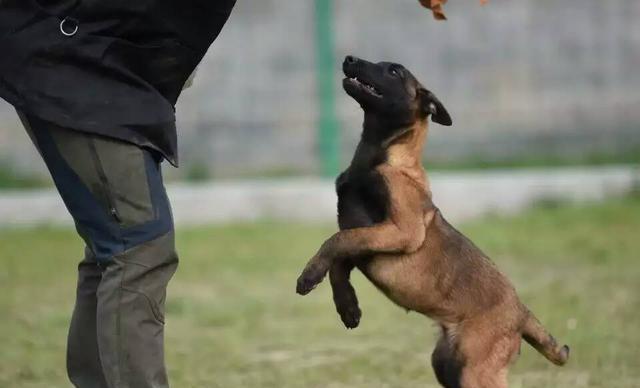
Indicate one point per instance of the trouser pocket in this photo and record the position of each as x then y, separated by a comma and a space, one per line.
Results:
114, 171
113, 189
106, 191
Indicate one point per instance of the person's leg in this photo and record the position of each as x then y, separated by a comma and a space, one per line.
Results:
83, 360
130, 326
115, 193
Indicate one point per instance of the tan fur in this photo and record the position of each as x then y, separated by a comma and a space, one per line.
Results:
420, 262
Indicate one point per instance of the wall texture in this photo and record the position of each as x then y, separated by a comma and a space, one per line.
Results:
519, 77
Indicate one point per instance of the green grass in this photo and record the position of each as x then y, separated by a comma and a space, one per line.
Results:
235, 321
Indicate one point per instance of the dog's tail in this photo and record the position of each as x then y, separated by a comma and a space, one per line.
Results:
537, 336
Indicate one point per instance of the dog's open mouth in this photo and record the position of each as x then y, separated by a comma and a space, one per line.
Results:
364, 86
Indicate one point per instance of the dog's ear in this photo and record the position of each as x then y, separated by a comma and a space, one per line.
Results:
432, 106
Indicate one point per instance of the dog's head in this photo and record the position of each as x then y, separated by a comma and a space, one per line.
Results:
391, 94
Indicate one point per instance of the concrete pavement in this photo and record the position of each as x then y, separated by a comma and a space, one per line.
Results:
460, 195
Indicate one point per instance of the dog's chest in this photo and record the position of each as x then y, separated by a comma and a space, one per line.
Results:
402, 278
363, 199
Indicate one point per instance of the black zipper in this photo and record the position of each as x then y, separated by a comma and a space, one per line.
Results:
105, 182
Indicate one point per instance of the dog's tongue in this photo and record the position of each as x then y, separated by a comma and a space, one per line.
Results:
436, 7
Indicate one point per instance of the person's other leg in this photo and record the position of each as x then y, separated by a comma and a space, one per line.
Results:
115, 193
84, 367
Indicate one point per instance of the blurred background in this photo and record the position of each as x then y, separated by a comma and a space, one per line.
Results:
541, 169
526, 81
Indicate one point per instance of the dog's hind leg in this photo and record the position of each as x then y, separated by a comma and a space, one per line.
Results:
453, 370
483, 377
446, 363
344, 296
487, 359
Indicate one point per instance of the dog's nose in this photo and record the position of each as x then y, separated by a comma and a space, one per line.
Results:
350, 60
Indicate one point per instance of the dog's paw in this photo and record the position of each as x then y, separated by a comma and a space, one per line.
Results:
307, 281
350, 315
347, 307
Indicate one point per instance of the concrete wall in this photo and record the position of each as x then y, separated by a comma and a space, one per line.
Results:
519, 77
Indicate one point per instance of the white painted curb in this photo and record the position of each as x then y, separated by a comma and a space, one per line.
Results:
460, 195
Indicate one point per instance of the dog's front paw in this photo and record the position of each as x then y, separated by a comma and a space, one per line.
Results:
346, 303
350, 314
308, 280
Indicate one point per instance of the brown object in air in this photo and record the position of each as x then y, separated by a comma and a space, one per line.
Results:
436, 6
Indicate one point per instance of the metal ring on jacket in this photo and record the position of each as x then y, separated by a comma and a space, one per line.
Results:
71, 21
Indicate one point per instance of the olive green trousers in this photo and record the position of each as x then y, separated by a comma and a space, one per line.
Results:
115, 194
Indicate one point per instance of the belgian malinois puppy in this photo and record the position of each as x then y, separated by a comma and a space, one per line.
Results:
391, 230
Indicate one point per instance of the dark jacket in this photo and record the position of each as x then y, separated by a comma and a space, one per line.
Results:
118, 75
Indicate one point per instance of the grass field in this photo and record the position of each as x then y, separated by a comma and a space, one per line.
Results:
235, 321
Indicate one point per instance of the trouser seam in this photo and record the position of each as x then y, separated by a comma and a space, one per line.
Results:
122, 256
102, 176
119, 329
152, 303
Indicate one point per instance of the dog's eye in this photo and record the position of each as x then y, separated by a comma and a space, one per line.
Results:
394, 71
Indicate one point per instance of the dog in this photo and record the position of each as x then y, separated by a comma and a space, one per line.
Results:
392, 232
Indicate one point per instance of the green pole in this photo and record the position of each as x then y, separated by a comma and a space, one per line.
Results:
328, 139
